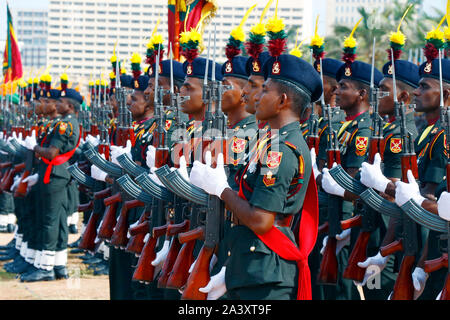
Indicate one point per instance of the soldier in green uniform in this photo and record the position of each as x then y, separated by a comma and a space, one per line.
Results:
432, 159
353, 97
273, 189
55, 150
407, 80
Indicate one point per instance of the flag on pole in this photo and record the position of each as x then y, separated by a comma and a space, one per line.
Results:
186, 14
12, 63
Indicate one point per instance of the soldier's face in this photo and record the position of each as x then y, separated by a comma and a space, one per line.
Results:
267, 101
232, 99
62, 106
138, 105
192, 87
250, 90
50, 106
329, 88
427, 95
38, 107
386, 104
347, 95
113, 102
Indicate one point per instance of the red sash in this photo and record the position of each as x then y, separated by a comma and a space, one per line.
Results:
58, 160
307, 235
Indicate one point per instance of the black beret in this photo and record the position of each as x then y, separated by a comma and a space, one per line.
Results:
197, 69
255, 67
141, 83
431, 70
330, 67
235, 68
296, 71
164, 70
359, 71
72, 94
405, 71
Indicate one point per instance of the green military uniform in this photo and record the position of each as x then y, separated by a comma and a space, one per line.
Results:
63, 135
275, 181
432, 160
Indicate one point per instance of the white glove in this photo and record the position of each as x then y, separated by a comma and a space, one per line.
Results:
30, 142
343, 239
93, 140
444, 206
419, 277
116, 151
371, 175
183, 168
16, 183
32, 180
216, 286
314, 163
150, 156
97, 173
378, 262
439, 295
330, 185
161, 255
406, 191
1, 135
215, 178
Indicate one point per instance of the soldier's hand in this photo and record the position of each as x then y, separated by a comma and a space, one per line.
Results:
373, 265
93, 140
439, 295
150, 156
31, 180
314, 163
161, 255
183, 168
343, 239
406, 191
330, 185
372, 176
97, 173
30, 141
419, 277
216, 179
16, 183
216, 286
444, 206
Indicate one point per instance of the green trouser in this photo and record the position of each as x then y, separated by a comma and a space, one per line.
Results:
6, 207
32, 199
73, 197
120, 274
53, 223
263, 292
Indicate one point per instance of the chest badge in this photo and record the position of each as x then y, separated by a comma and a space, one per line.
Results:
396, 145
168, 125
62, 128
273, 159
268, 179
238, 145
361, 145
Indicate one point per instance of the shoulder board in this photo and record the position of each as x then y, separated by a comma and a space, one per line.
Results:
435, 138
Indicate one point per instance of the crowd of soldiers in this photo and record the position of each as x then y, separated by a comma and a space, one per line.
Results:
265, 177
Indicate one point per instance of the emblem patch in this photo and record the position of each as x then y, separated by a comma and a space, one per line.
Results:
168, 125
229, 67
256, 66
276, 68
428, 67
348, 71
150, 70
361, 145
396, 145
238, 145
268, 179
274, 159
62, 128
189, 69
390, 69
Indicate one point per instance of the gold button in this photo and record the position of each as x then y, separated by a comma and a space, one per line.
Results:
245, 176
252, 248
229, 253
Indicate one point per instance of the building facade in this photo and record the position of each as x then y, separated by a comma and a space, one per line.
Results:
82, 33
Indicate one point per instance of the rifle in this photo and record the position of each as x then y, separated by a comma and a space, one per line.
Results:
313, 139
90, 234
377, 143
124, 126
403, 288
329, 265
22, 188
215, 213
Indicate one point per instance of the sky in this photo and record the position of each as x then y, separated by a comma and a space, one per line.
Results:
319, 8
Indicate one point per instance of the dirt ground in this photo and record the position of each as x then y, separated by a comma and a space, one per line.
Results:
81, 285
